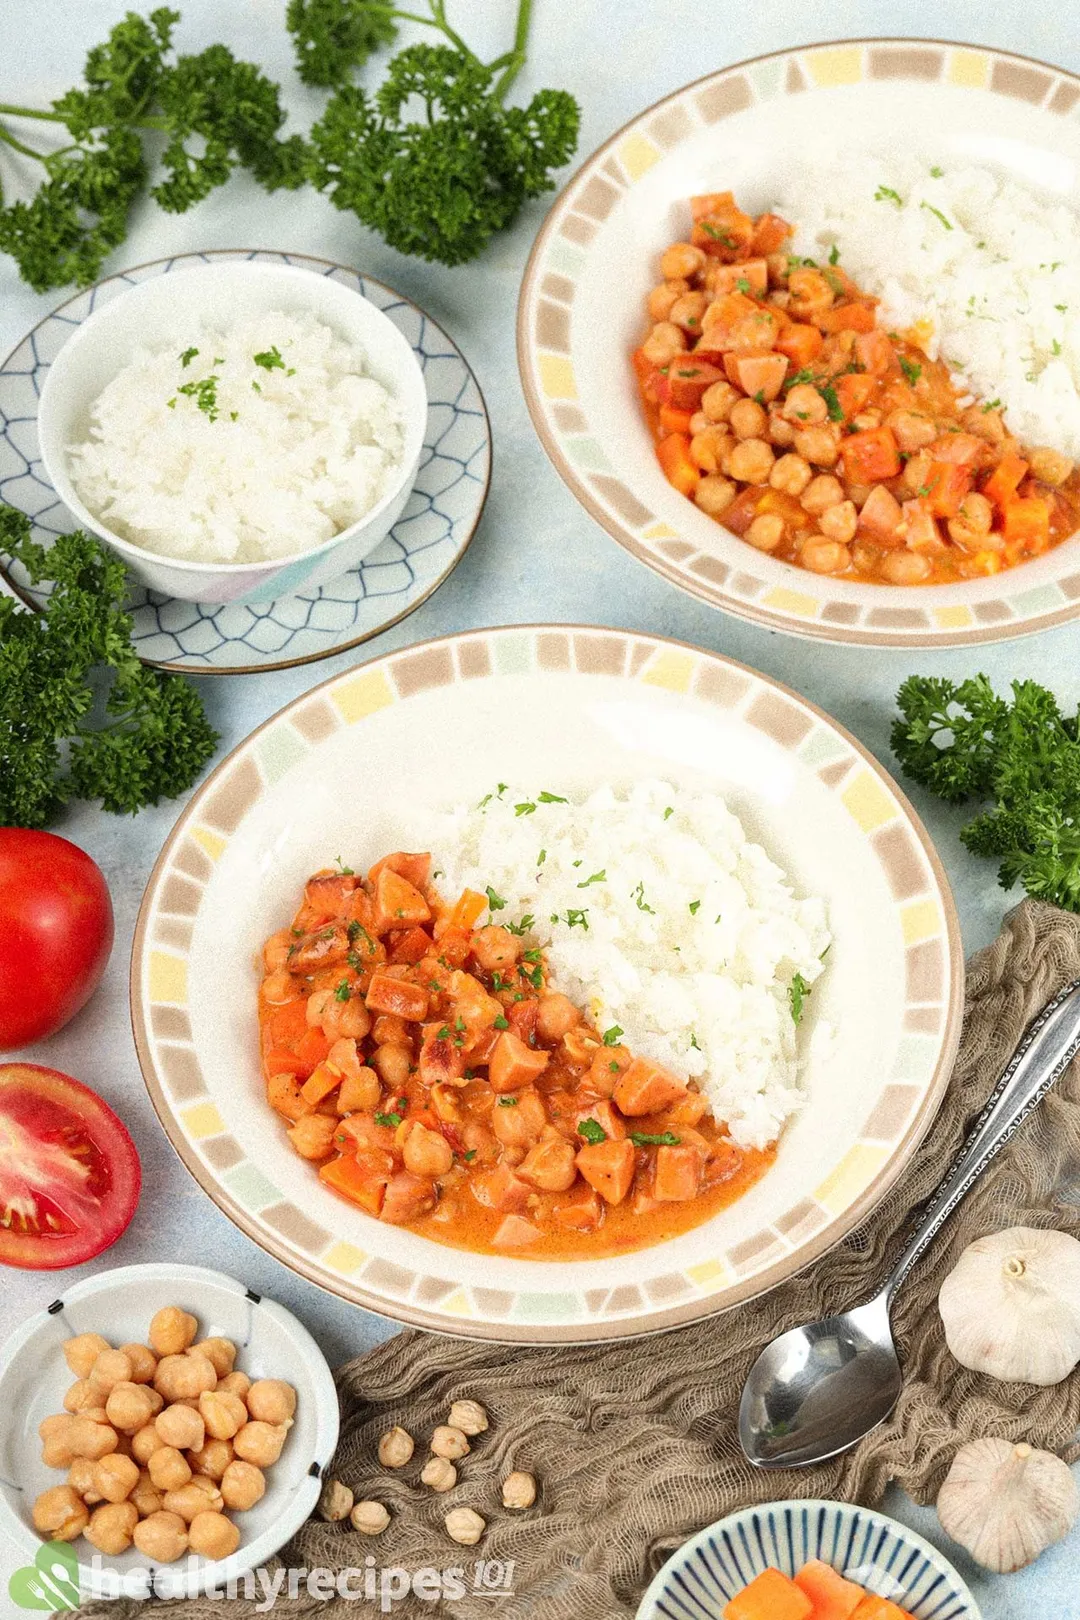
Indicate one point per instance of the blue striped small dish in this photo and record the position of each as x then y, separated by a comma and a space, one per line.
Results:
883, 1556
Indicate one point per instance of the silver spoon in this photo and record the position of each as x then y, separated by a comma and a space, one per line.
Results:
816, 1390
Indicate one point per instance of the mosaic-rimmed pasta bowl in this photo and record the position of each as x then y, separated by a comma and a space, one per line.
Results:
338, 772
581, 308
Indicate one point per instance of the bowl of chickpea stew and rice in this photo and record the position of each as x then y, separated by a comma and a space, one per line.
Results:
814, 373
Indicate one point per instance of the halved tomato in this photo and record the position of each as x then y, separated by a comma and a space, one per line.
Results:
69, 1172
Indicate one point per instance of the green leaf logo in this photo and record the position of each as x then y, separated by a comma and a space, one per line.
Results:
51, 1582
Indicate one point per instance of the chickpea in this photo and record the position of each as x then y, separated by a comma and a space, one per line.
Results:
115, 1477
144, 1442
370, 1518
220, 1353
313, 1135
199, 1495
748, 419
916, 472
911, 429
805, 405
181, 1428
60, 1514
495, 947
427, 1152
130, 1406
1050, 465
717, 400
839, 522
242, 1485
146, 1496
556, 1016
821, 493
766, 531
172, 1330
449, 1442
81, 1479
163, 1537
392, 1065
212, 1459
810, 292
390, 1030
468, 1416
863, 421
825, 556
983, 423
82, 1397
709, 448
112, 1528
111, 1367
971, 526
181, 1377
271, 1400
791, 474
143, 1362
904, 567
688, 310
168, 1468
714, 495
260, 1443
396, 1447
661, 298
81, 1352
439, 1473
750, 462
85, 1438
519, 1490
818, 445
781, 431
663, 343
681, 260
213, 1535
277, 989
222, 1414
464, 1526
235, 1383
55, 1435
698, 422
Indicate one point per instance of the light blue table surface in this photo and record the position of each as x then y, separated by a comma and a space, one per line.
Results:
537, 556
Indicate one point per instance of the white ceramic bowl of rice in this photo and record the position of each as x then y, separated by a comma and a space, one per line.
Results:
236, 431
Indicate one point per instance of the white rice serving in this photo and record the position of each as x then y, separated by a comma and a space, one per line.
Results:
662, 919
198, 450
992, 268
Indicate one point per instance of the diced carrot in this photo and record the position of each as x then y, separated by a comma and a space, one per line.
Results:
643, 366
919, 530
454, 946
853, 317
872, 1607
881, 514
947, 483
440, 1061
414, 867
833, 1597
284, 1025
750, 277
522, 1017
871, 456
854, 391
410, 946
608, 1167
359, 1132
283, 1093
363, 1178
771, 1596
605, 1115
689, 1109
686, 381
513, 1064
500, 1189
729, 314
800, 343
720, 226
743, 509
960, 449
674, 420
1027, 523
673, 454
770, 234
514, 1233
677, 1174
307, 1053
407, 1198
646, 1087
761, 375
784, 505
397, 997
875, 353
398, 903
1006, 478
467, 911
320, 1083
582, 1213
326, 893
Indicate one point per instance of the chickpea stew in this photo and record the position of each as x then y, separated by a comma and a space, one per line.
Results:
423, 1064
786, 412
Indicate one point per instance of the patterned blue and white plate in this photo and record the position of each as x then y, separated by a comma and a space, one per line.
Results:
885, 1557
420, 551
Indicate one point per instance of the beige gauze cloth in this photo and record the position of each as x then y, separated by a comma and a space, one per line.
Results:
634, 1444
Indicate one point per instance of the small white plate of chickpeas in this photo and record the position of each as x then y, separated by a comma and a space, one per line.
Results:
168, 1423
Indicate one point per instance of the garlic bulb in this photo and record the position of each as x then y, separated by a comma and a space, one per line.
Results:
1007, 1503
1011, 1305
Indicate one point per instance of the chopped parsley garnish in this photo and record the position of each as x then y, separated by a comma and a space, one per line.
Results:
669, 812
613, 1066
508, 1102
592, 1131
392, 1120
270, 359
204, 393
723, 237
522, 927
936, 172
829, 395
443, 1034
346, 871
992, 405
541, 858
502, 1023
803, 376
526, 808
798, 990
470, 1156
577, 919
930, 209
343, 991
640, 901
597, 877
495, 901
551, 798
188, 356
695, 907
743, 285
834, 254
654, 1139
887, 194
612, 1036
912, 371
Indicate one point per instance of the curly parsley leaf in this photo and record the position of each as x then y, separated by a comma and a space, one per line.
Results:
334, 36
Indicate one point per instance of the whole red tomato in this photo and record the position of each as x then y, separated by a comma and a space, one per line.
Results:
56, 932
